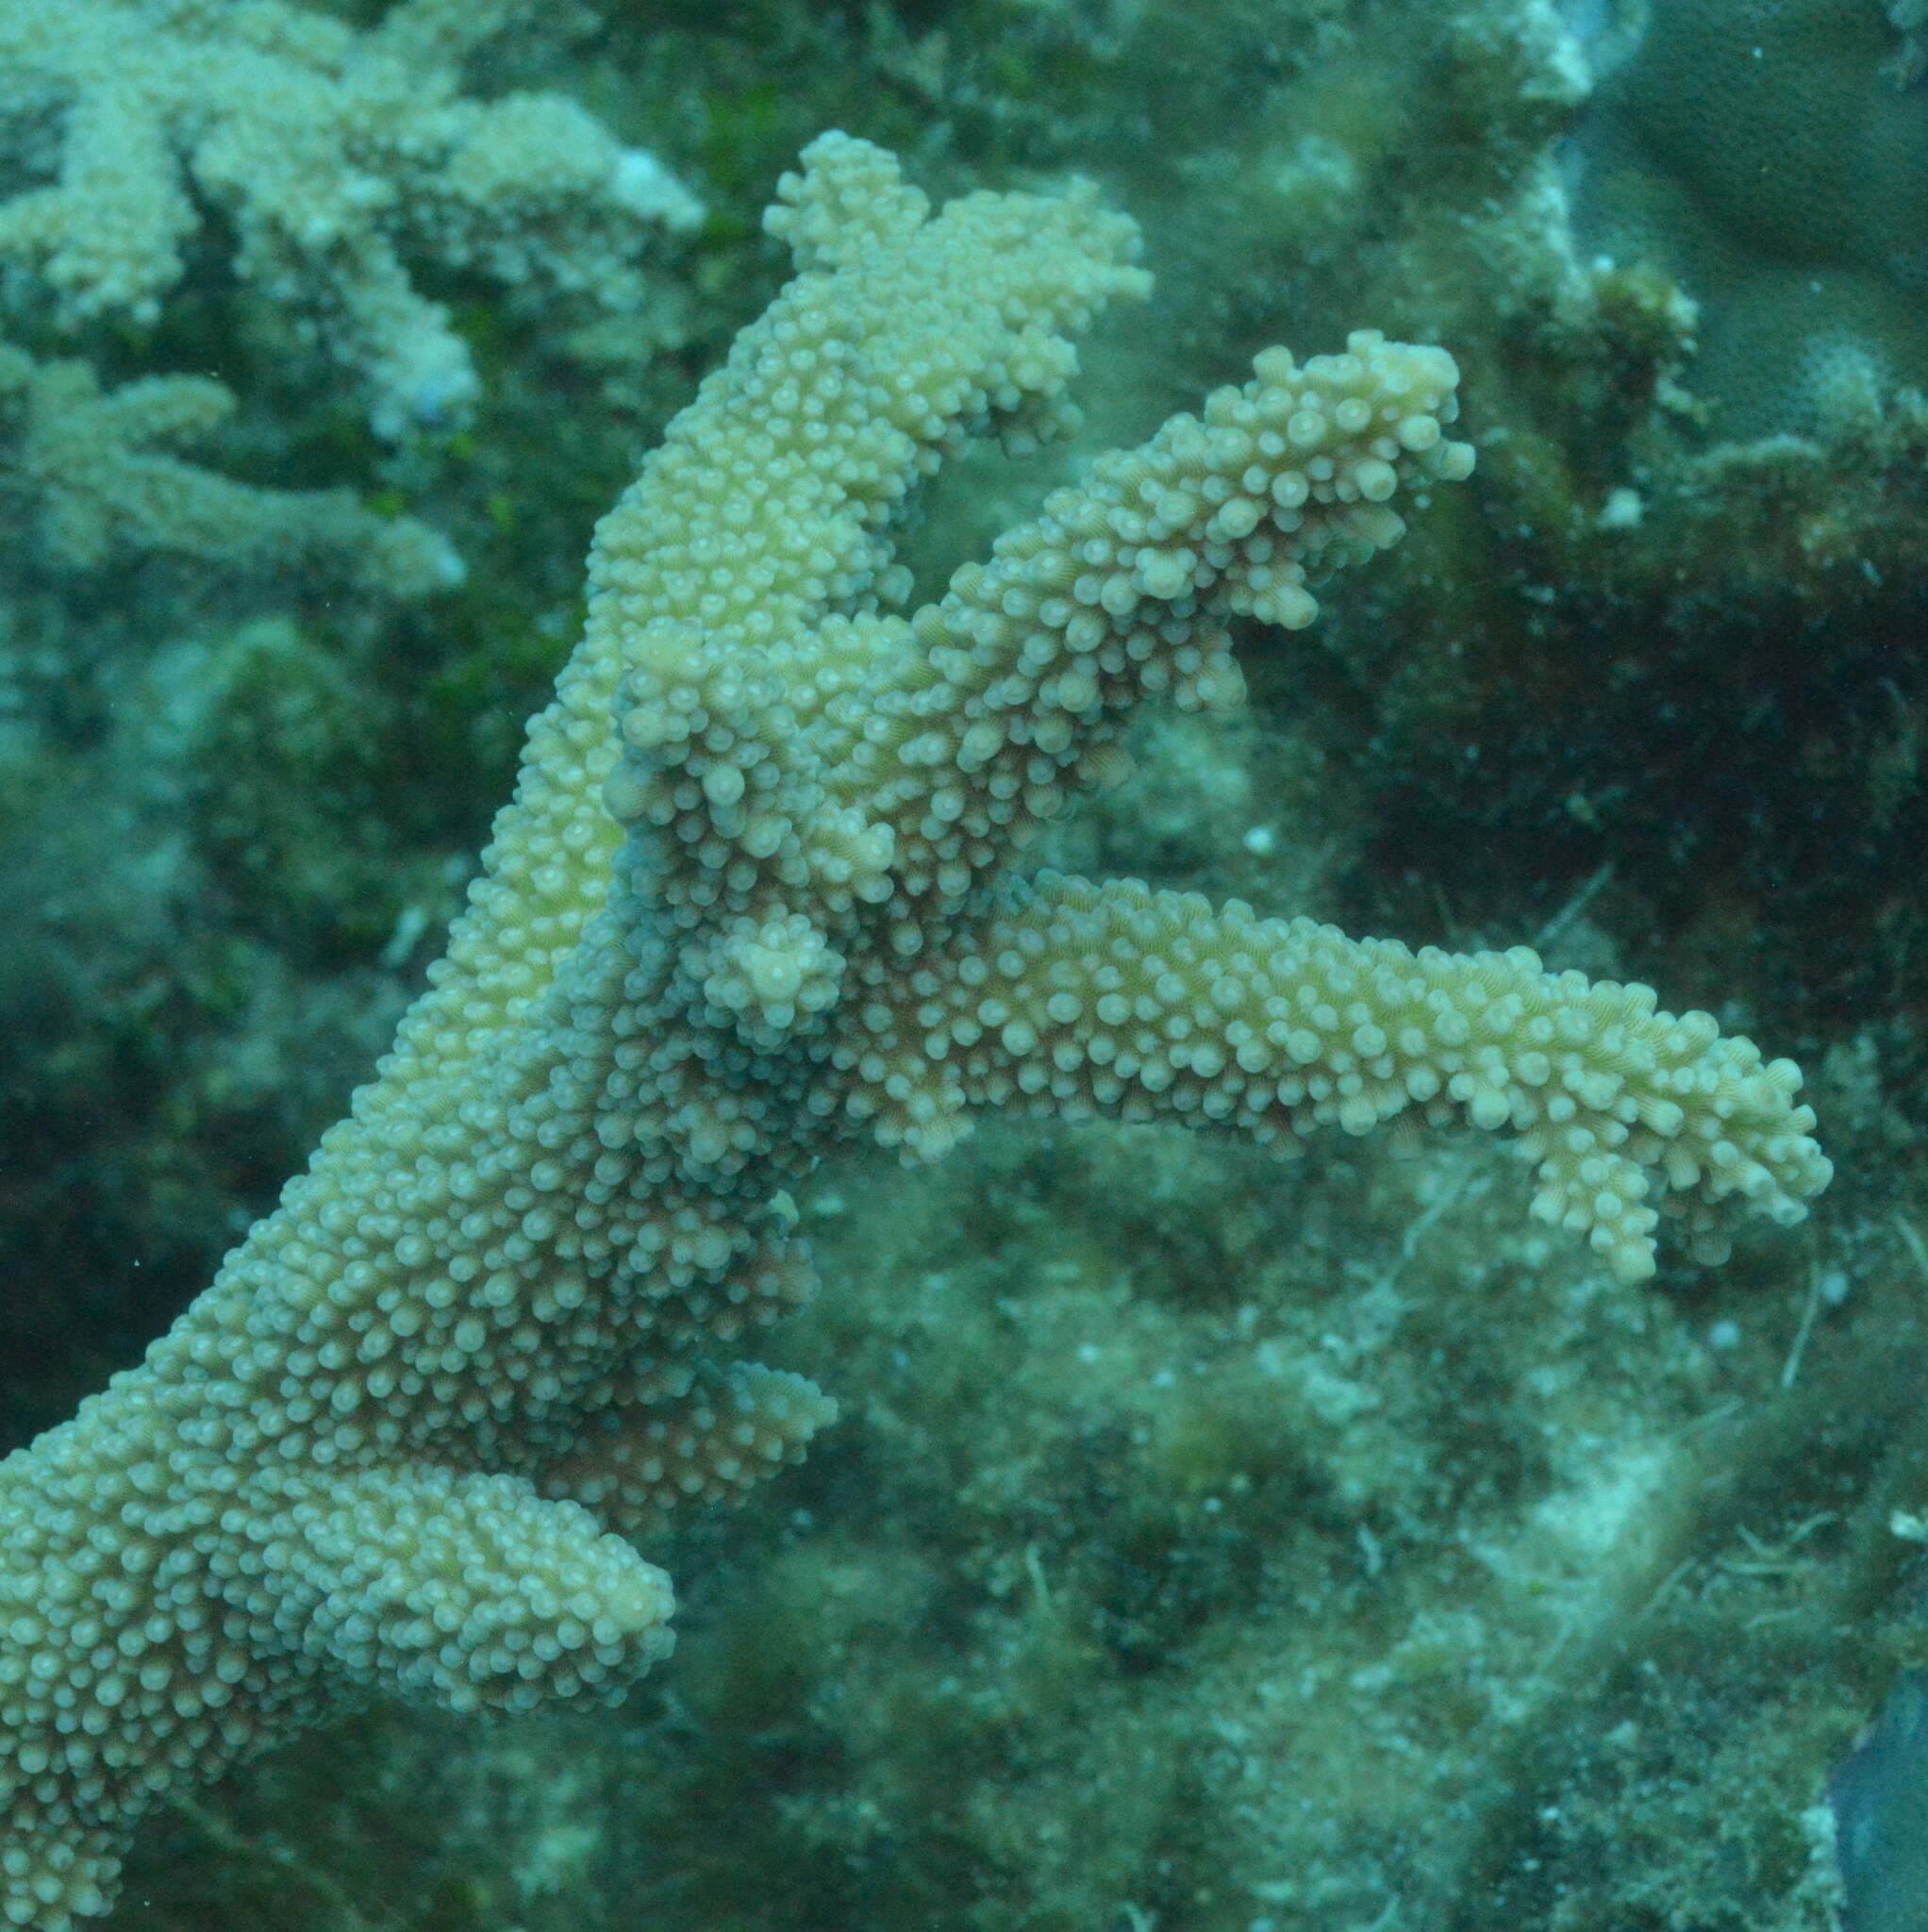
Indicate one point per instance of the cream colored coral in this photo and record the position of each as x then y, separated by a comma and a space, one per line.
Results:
754, 899
390, 1445
975, 722
1081, 999
333, 156
96, 481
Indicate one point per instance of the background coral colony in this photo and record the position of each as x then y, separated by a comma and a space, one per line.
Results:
921, 916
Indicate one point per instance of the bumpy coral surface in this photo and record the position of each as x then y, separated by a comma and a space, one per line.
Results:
334, 155
754, 900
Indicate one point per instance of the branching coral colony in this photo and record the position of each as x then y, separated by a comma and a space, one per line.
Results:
333, 157
148, 141
755, 897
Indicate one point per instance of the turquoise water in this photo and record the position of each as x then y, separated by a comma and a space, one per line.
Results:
1207, 1542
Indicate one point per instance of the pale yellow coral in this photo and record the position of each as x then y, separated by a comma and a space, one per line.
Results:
1083, 999
391, 1444
755, 898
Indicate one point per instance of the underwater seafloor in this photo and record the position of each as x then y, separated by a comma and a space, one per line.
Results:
1206, 1545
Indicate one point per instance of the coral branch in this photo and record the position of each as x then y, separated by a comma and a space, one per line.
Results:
333, 156
755, 899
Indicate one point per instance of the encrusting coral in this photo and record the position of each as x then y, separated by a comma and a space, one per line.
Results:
754, 898
1763, 151
332, 155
